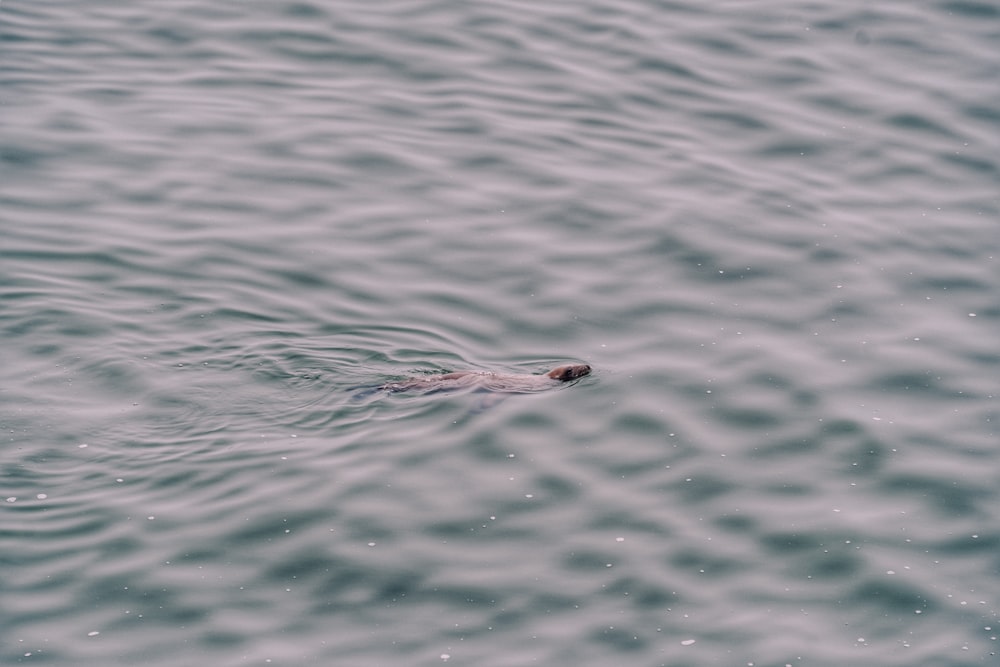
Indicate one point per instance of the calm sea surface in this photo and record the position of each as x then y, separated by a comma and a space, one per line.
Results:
773, 228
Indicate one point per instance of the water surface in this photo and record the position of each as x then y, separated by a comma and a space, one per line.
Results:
771, 228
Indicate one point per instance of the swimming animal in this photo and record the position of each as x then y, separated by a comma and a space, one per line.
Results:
488, 381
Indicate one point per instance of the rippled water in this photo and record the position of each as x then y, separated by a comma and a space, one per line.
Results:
772, 228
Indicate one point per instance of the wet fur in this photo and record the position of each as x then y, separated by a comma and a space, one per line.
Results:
487, 381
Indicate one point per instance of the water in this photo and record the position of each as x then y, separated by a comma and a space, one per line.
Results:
772, 229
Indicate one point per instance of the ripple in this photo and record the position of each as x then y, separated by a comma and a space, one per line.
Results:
768, 232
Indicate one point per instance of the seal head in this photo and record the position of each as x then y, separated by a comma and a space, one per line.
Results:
567, 373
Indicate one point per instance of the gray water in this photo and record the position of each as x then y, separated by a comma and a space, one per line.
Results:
772, 228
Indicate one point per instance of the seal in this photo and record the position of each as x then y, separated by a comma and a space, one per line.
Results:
488, 381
